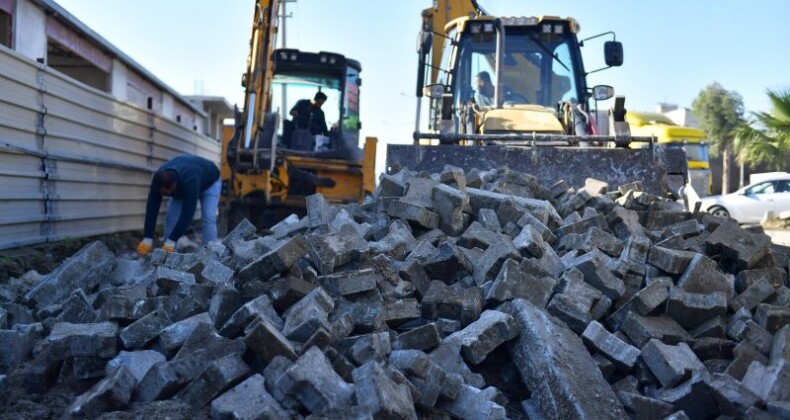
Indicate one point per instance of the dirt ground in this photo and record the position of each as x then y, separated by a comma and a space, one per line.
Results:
46, 257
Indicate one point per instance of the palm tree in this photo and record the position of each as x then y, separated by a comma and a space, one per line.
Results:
770, 143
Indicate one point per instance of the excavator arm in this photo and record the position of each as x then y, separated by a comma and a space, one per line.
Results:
258, 78
434, 20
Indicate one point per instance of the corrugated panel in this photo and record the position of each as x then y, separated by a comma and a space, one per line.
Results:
84, 168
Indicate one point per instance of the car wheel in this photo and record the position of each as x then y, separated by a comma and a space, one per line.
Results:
719, 211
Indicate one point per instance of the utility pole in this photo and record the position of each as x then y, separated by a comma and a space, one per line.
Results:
284, 88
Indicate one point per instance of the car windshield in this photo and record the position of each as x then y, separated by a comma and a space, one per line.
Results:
538, 67
767, 187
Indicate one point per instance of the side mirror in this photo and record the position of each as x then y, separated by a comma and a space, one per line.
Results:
602, 92
359, 81
434, 91
613, 53
244, 80
424, 41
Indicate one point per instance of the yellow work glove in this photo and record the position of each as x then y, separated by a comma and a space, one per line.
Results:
169, 246
145, 246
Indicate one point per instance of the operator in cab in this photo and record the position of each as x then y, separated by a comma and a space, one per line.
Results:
485, 89
307, 115
186, 180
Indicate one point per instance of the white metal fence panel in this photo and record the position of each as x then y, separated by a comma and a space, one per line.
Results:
74, 161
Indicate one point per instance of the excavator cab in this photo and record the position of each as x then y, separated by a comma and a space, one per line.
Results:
272, 163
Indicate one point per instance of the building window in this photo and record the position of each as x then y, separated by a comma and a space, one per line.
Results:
6, 26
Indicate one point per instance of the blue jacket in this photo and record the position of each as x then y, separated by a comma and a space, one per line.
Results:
194, 175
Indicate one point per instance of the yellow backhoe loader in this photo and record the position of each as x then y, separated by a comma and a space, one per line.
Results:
271, 163
518, 86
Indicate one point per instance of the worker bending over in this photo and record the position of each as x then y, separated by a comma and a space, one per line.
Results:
186, 179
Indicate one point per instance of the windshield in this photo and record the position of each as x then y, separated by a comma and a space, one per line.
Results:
697, 152
537, 68
291, 93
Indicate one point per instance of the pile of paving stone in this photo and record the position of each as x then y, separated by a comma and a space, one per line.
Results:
477, 295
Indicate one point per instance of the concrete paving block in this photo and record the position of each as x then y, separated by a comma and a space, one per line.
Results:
243, 231
141, 332
772, 317
390, 186
708, 348
624, 223
488, 266
694, 399
313, 381
77, 309
248, 400
739, 245
217, 273
611, 347
168, 279
703, 275
769, 383
592, 266
642, 407
641, 329
529, 242
287, 291
350, 282
733, 397
380, 396
17, 347
110, 394
751, 331
279, 259
375, 346
258, 307
165, 379
761, 291
671, 364
174, 335
319, 212
83, 270
513, 283
635, 251
669, 260
448, 203
758, 414
413, 213
94, 339
481, 337
600, 308
560, 390
745, 278
489, 220
225, 301
692, 309
400, 311
398, 242
780, 409
138, 363
447, 264
780, 346
565, 306
219, 376
714, 327
423, 338
474, 403
442, 301
644, 302
305, 317
264, 339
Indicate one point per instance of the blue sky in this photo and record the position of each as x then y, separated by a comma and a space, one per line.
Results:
673, 48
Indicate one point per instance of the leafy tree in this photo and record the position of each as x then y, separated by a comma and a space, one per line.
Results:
767, 138
720, 114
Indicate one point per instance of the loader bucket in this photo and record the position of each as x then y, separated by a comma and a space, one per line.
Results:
660, 170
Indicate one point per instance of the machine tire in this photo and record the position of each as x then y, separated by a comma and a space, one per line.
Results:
719, 211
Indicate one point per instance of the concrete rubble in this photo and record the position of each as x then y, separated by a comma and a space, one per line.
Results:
478, 295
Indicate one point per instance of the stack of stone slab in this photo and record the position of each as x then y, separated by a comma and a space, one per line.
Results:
485, 294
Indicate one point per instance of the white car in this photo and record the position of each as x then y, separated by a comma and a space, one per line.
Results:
750, 203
